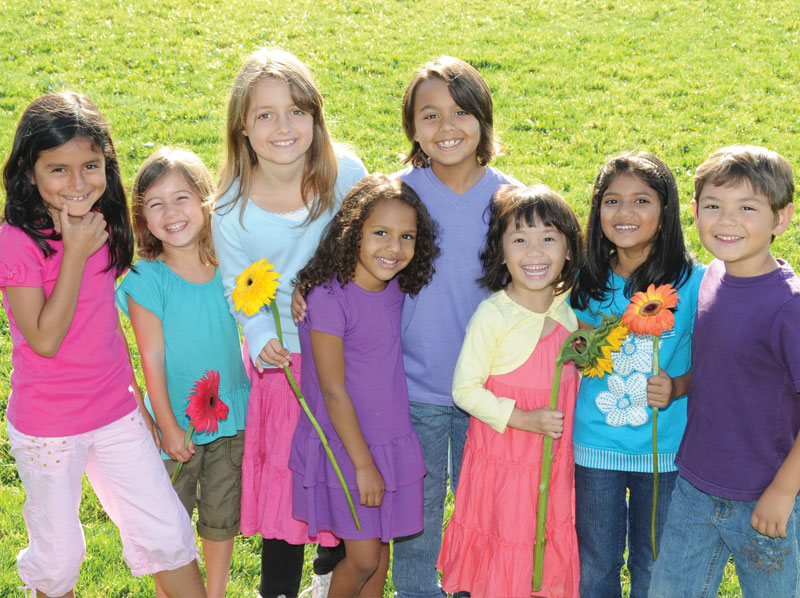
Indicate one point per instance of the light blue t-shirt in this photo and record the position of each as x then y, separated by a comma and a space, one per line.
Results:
286, 243
199, 334
613, 426
435, 320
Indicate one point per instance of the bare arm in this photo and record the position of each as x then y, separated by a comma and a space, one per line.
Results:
773, 509
150, 340
328, 353
44, 322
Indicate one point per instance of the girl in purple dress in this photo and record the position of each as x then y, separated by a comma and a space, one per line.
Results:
379, 246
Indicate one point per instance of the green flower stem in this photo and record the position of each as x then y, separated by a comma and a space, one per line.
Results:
186, 439
547, 461
656, 371
301, 399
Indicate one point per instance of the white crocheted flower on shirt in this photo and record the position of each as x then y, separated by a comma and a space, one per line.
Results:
625, 402
635, 355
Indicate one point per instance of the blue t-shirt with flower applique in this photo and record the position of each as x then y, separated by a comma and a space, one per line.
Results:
613, 426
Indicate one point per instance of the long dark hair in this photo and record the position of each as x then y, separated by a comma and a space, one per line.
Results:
511, 206
338, 251
669, 261
48, 123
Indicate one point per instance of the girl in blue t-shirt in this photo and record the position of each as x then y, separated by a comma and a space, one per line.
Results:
633, 239
183, 328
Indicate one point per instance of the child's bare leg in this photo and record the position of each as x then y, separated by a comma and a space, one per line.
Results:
361, 563
374, 586
70, 594
218, 557
160, 592
184, 582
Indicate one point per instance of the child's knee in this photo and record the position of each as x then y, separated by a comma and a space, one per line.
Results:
51, 569
365, 563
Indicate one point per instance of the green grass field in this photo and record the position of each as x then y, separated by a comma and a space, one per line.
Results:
573, 82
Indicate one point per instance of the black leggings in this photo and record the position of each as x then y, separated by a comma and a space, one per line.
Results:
282, 566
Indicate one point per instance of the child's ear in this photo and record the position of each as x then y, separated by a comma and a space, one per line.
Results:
694, 210
782, 219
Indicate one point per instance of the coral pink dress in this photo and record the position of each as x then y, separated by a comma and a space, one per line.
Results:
488, 544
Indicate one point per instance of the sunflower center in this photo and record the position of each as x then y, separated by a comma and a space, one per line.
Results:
651, 308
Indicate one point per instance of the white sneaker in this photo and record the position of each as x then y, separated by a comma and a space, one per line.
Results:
320, 584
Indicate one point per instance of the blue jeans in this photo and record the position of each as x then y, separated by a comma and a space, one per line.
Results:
701, 534
442, 432
611, 506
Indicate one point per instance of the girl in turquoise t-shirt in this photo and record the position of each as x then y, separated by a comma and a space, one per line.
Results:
176, 304
633, 239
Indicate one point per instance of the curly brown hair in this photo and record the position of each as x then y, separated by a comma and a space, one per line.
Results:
337, 254
513, 205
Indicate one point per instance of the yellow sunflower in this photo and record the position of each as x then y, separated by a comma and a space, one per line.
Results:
616, 337
255, 286
601, 366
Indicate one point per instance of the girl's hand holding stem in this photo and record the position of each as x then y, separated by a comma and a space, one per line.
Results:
173, 441
663, 389
548, 422
275, 354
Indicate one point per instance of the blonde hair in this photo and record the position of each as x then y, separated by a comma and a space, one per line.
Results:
191, 167
319, 173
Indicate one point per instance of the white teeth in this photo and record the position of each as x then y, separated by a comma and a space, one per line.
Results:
727, 238
626, 227
283, 143
79, 198
449, 143
173, 228
539, 269
387, 262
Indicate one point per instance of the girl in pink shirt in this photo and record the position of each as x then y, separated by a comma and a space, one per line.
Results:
74, 404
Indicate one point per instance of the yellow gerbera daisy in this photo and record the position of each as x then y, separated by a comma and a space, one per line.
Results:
255, 287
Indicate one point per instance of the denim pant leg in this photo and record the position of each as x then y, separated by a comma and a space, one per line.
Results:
766, 567
601, 525
414, 558
459, 422
692, 554
640, 509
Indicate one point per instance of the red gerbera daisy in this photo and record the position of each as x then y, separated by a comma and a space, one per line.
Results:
205, 408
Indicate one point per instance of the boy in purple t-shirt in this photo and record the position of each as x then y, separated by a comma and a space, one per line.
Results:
739, 462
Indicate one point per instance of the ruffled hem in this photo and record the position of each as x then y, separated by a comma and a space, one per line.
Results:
400, 460
325, 508
484, 564
272, 416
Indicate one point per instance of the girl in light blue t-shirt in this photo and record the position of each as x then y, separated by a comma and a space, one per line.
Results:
633, 239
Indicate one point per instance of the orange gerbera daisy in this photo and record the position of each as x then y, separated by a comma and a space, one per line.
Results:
650, 312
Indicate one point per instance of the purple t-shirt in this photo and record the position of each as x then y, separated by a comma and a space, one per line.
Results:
435, 320
744, 406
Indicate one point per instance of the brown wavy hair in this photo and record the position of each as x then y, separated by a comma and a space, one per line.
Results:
468, 89
191, 167
337, 254
511, 206
320, 170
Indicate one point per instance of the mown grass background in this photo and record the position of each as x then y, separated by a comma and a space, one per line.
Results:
573, 83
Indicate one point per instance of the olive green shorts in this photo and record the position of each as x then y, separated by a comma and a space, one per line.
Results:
212, 479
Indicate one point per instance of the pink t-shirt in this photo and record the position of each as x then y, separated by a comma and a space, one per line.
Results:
86, 384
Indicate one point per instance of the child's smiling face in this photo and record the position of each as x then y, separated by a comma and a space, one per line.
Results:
535, 256
630, 214
73, 174
388, 239
447, 133
173, 212
736, 224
